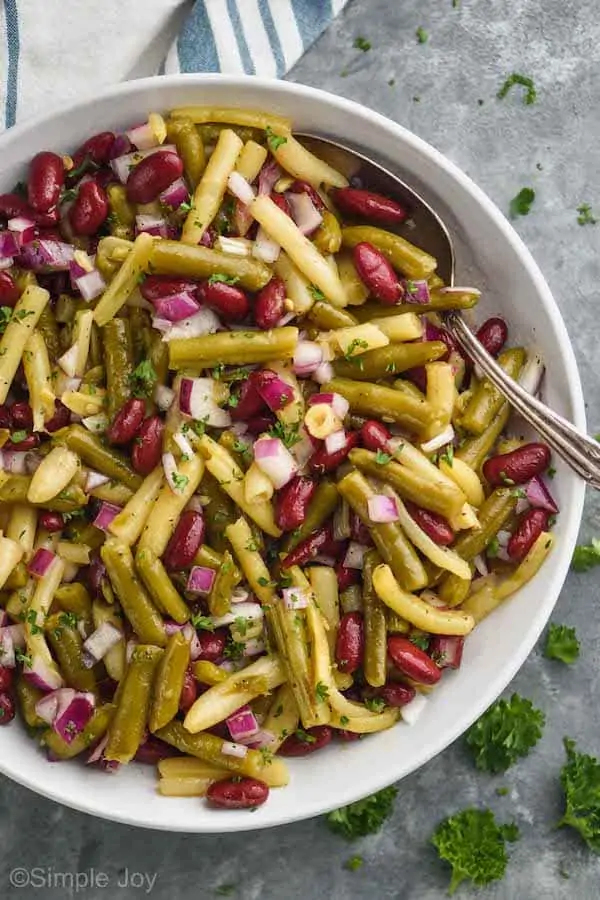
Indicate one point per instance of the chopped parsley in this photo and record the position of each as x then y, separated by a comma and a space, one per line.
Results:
523, 80
185, 206
354, 346
225, 890
252, 546
504, 733
286, 433
586, 217
501, 791
221, 278
234, 650
354, 863
321, 691
243, 448
180, 482
562, 644
31, 619
419, 639
374, 704
361, 43
201, 622
274, 140
448, 455
521, 204
316, 293
68, 619
586, 556
363, 817
422, 35
304, 736
18, 436
382, 458
142, 379
580, 780
23, 658
493, 547
240, 625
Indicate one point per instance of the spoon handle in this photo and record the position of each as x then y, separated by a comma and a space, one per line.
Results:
580, 452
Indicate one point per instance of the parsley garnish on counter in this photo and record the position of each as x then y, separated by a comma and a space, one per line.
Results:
586, 216
354, 863
562, 644
524, 81
580, 779
361, 43
504, 733
422, 35
586, 556
474, 845
363, 817
521, 204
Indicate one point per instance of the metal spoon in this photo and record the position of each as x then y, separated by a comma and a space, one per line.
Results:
580, 452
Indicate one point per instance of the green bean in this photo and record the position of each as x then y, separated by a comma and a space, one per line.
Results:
96, 354
27, 697
233, 348
118, 357
375, 664
188, 261
121, 220
137, 606
396, 624
408, 388
15, 489
487, 401
404, 256
380, 402
127, 729
160, 587
388, 537
228, 577
210, 132
97, 456
474, 450
218, 513
17, 578
231, 441
93, 732
49, 330
190, 147
158, 354
170, 676
67, 645
141, 332
389, 360
328, 236
325, 316
438, 302
351, 599
208, 557
440, 497
321, 507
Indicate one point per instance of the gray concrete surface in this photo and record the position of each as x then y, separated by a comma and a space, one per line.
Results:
455, 75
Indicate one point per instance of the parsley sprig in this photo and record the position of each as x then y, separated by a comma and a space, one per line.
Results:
504, 733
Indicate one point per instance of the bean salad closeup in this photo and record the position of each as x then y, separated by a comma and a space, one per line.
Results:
253, 497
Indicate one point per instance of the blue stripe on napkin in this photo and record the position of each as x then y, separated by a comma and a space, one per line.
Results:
13, 42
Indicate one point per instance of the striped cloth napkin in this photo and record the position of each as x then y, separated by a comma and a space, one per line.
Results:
52, 52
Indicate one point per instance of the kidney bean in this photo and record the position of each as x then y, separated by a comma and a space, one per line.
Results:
189, 691
90, 209
7, 709
258, 424
127, 422
250, 403
154, 287
95, 576
97, 149
247, 793
493, 334
185, 541
153, 750
413, 661
30, 442
269, 305
321, 461
320, 541
518, 466
433, 333
6, 678
9, 292
51, 521
368, 205
5, 416
13, 205
303, 187
60, 419
359, 531
212, 644
377, 274
46, 178
153, 175
299, 745
229, 301
375, 436
396, 694
292, 502
280, 200
447, 650
350, 644
435, 526
347, 736
22, 415
147, 446
418, 377
529, 527
346, 576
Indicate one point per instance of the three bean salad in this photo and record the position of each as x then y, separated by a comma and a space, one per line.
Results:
253, 497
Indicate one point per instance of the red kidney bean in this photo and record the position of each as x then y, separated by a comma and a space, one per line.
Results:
189, 691
377, 274
229, 301
208, 238
147, 446
6, 678
247, 793
269, 306
412, 661
22, 415
350, 644
529, 527
46, 178
153, 175
60, 419
13, 205
7, 709
95, 576
30, 442
250, 403
347, 736
493, 334
9, 292
127, 422
258, 424
447, 650
212, 644
299, 745
6, 416
396, 694
153, 750
359, 531
48, 220
90, 209
280, 200
321, 461
418, 377
435, 526
303, 187
154, 287
97, 149
185, 541
51, 521
346, 576
320, 541
518, 466
433, 333
375, 436
292, 502
368, 205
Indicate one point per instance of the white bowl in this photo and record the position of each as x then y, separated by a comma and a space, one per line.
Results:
491, 255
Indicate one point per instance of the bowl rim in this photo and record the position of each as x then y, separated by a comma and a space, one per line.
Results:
378, 778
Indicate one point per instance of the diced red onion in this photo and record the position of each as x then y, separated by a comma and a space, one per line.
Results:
41, 562
233, 246
99, 643
324, 374
142, 137
90, 285
288, 317
239, 595
196, 399
76, 270
7, 649
240, 188
42, 674
14, 461
203, 322
276, 393
249, 610
97, 753
265, 248
522, 504
200, 580
68, 361
295, 598
43, 255
48, 707
539, 495
416, 291
274, 459
382, 508
531, 376
155, 225
7, 263
228, 748
262, 738
338, 403
163, 396
242, 724
242, 218
439, 441
268, 176
106, 514
9, 245
96, 423
172, 627
4, 619
480, 564
303, 449
335, 441
177, 306
72, 720
16, 633
170, 469
239, 428
460, 290
122, 165
253, 647
183, 444
304, 212
325, 560
308, 356
23, 229
176, 194
447, 650
95, 480
355, 555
